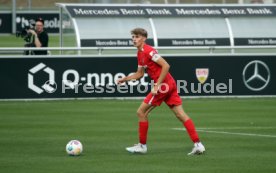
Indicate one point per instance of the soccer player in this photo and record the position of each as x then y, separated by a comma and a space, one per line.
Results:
164, 90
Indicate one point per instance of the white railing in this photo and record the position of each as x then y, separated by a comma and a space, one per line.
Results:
4, 51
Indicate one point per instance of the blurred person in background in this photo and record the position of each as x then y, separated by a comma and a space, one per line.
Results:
39, 37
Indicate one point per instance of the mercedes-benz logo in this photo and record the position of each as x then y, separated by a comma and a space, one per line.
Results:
256, 75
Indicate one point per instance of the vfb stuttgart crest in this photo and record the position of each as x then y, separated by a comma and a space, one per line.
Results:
202, 74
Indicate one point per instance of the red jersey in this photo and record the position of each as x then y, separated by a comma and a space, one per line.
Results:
147, 58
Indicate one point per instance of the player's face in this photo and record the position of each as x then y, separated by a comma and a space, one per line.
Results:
138, 40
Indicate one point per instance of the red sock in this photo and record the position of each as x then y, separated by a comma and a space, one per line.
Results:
143, 131
190, 127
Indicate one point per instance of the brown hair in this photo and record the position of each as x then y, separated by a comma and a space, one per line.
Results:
140, 31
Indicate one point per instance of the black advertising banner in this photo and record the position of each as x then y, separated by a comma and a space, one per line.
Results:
5, 23
169, 11
110, 42
78, 77
194, 42
27, 19
161, 42
255, 41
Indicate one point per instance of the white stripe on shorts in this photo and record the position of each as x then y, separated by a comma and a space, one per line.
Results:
151, 100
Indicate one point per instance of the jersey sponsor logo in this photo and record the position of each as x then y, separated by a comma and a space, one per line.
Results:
202, 74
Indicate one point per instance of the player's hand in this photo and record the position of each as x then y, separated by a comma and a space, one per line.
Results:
154, 89
120, 81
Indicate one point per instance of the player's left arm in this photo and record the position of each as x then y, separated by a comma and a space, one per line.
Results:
165, 69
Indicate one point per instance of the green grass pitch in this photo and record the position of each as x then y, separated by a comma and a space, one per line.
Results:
239, 135
10, 40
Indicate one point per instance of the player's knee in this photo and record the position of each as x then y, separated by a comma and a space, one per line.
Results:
178, 115
181, 115
140, 114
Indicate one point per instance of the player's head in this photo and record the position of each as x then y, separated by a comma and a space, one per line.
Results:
139, 36
139, 31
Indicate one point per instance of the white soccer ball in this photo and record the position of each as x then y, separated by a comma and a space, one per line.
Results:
74, 148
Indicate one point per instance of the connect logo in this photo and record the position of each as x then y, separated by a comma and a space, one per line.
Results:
49, 86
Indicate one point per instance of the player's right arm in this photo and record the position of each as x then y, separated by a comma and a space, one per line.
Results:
139, 74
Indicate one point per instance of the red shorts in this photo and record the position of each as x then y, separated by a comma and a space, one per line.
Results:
170, 97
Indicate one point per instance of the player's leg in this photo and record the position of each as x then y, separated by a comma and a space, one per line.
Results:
190, 128
187, 122
175, 103
179, 113
149, 103
142, 113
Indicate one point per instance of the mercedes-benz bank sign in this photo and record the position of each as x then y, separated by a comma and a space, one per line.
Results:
256, 75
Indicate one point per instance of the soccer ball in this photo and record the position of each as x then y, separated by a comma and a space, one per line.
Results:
74, 148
